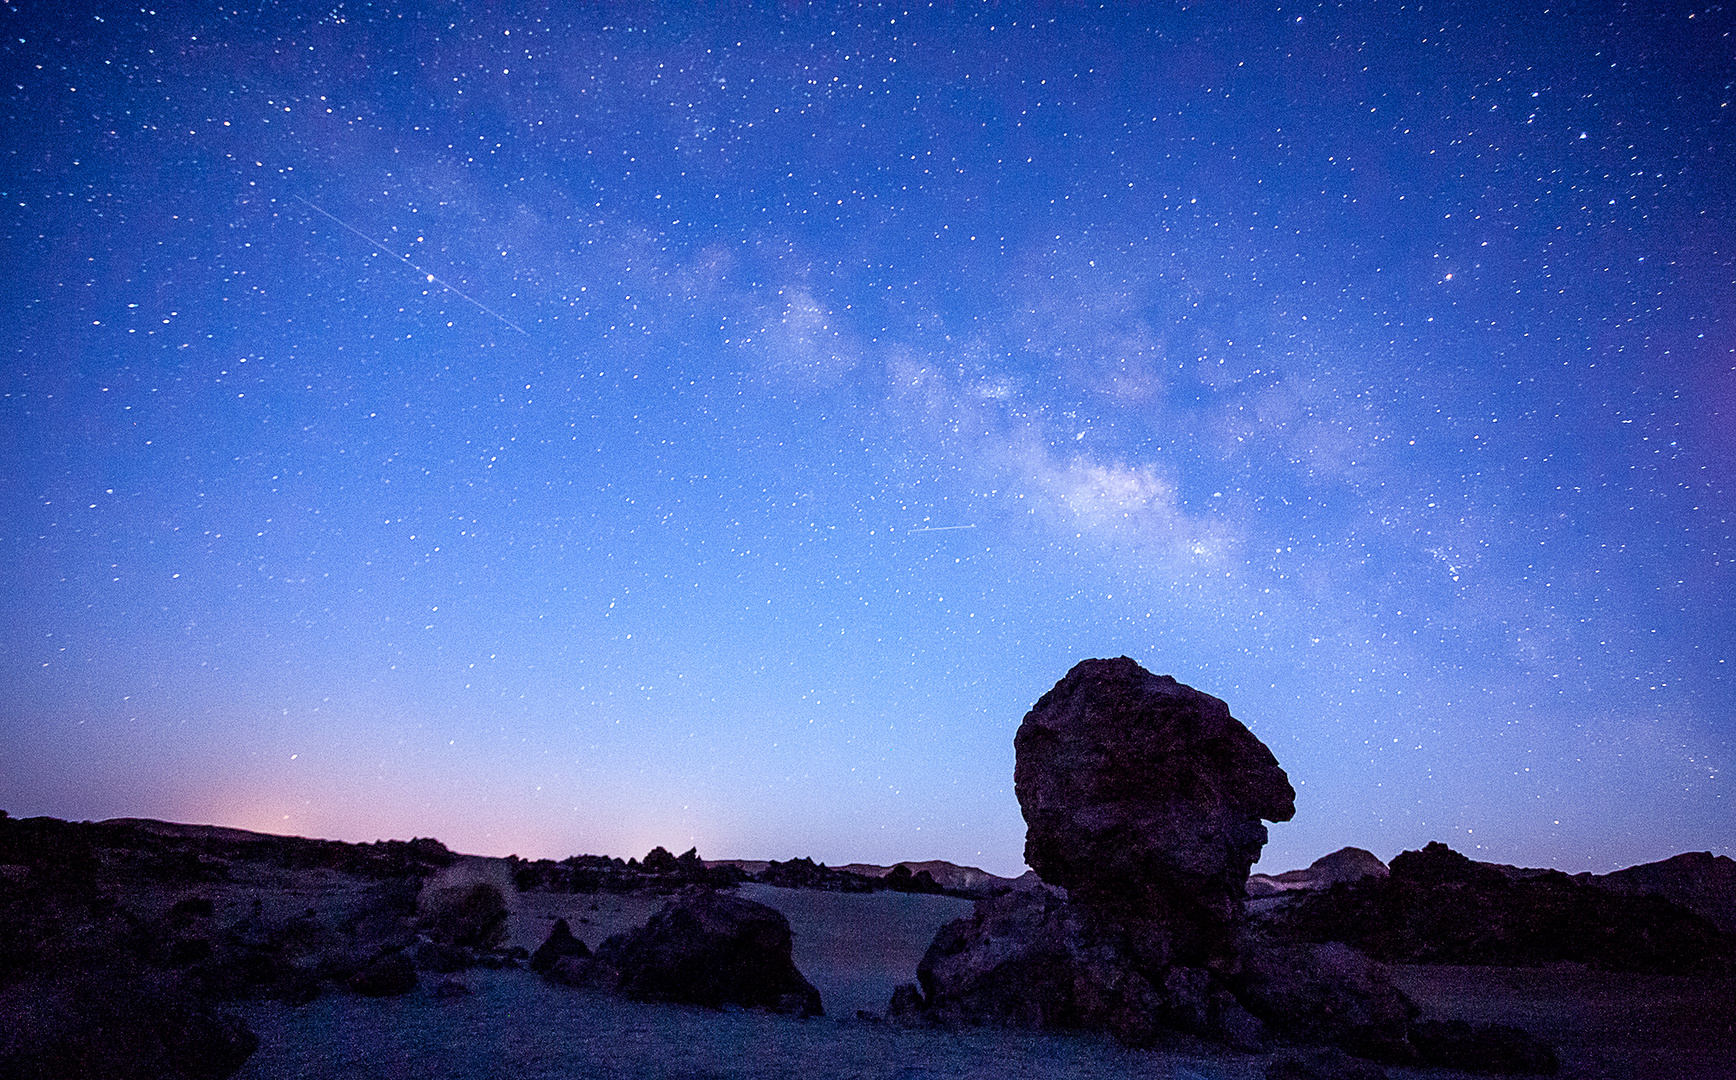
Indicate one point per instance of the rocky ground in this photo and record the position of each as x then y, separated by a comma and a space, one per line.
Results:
205, 953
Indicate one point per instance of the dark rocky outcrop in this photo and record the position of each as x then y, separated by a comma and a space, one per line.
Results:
805, 873
658, 872
111, 1025
1032, 959
387, 976
900, 879
1327, 994
1144, 799
1439, 907
559, 944
1697, 880
710, 949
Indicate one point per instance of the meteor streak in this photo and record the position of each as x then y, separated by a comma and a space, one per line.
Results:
431, 277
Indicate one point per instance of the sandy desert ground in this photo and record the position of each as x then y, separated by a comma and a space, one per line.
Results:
855, 948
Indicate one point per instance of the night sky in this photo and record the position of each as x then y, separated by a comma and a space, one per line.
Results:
571, 428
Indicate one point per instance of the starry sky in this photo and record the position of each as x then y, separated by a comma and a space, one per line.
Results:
565, 428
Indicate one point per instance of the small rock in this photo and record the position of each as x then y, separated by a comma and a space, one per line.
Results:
388, 976
437, 956
559, 943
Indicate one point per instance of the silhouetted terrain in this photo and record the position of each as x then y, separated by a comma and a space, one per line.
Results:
135, 948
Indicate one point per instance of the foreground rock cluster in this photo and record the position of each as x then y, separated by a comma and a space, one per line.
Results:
706, 948
1144, 801
121, 941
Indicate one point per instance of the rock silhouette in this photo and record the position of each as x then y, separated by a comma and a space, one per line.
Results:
708, 949
1697, 880
1144, 799
1439, 907
560, 943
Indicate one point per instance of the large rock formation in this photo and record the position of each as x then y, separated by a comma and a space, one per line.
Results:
1144, 798
1143, 801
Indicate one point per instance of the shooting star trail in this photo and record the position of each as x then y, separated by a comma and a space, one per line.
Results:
939, 528
431, 277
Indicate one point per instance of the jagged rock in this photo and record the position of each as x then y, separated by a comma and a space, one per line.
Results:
560, 943
388, 976
710, 949
451, 988
1484, 1048
1144, 799
1437, 864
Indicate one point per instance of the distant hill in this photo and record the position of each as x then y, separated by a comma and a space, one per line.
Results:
947, 875
1703, 883
1345, 864
1698, 880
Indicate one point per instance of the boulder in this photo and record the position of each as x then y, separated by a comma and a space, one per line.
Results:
471, 915
1330, 994
1032, 959
560, 943
387, 976
1144, 798
708, 949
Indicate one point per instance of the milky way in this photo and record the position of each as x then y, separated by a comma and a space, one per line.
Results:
564, 432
